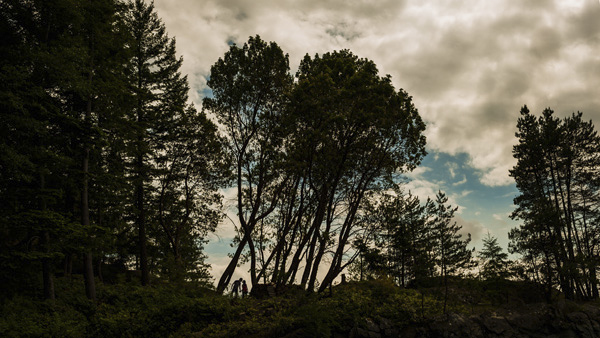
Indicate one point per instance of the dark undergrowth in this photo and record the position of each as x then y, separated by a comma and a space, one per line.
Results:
187, 310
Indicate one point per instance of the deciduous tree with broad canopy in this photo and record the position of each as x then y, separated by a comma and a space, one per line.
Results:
314, 148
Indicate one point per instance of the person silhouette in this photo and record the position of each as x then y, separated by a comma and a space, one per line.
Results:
244, 289
236, 287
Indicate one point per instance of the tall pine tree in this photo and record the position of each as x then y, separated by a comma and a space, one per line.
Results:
450, 249
174, 150
556, 173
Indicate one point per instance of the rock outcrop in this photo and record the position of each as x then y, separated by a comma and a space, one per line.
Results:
565, 320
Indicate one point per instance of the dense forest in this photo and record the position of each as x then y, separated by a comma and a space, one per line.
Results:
109, 176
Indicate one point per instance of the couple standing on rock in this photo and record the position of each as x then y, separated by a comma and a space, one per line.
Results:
236, 288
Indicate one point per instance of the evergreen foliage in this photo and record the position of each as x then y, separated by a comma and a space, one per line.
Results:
494, 262
556, 173
398, 241
88, 89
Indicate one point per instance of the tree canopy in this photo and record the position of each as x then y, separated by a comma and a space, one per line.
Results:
556, 173
108, 170
101, 152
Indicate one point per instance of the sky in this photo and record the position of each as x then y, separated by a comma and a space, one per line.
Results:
469, 65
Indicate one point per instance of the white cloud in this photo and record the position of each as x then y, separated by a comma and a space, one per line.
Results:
472, 227
463, 181
502, 217
465, 193
470, 65
452, 167
417, 172
427, 189
422, 189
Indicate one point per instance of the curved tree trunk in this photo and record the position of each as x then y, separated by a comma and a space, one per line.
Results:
230, 269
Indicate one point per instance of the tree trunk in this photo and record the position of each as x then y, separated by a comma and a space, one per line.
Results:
99, 269
445, 289
336, 262
316, 263
90, 286
316, 226
290, 275
141, 224
46, 263
47, 269
230, 269
88, 273
253, 278
139, 197
309, 258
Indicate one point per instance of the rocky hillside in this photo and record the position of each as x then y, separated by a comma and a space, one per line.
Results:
568, 320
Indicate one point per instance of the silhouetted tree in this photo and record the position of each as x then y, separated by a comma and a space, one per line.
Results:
450, 249
249, 85
353, 132
494, 262
556, 173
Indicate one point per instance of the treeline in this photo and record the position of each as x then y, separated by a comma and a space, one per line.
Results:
105, 164
103, 161
317, 161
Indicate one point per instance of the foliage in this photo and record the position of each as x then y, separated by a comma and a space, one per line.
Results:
123, 310
409, 242
108, 172
100, 151
306, 153
187, 310
556, 174
354, 133
174, 154
495, 262
249, 86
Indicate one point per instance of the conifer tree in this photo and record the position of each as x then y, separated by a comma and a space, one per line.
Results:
82, 102
450, 249
57, 47
174, 150
401, 238
102, 49
556, 173
27, 161
494, 261
153, 67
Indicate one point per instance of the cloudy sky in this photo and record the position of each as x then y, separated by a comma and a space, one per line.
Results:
469, 65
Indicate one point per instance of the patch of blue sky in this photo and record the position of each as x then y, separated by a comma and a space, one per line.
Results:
219, 246
482, 208
206, 91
